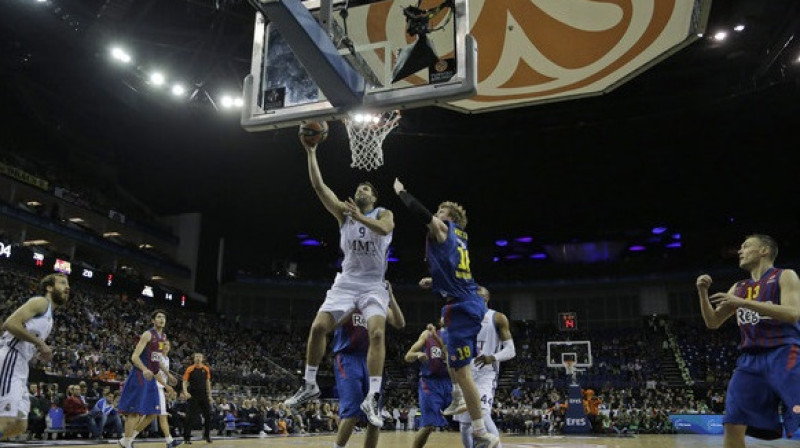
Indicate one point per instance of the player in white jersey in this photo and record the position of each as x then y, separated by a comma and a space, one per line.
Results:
494, 345
366, 231
165, 381
24, 334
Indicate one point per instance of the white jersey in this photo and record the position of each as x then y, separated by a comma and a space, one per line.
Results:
365, 251
162, 371
488, 343
40, 326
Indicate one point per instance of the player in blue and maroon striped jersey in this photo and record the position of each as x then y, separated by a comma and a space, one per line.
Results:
767, 309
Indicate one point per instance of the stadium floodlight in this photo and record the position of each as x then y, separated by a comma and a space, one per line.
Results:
739, 28
157, 79
120, 55
226, 101
720, 36
178, 90
40, 1
238, 102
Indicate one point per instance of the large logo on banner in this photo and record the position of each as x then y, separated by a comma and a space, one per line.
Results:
537, 50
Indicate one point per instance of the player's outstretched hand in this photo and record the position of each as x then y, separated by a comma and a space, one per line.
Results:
398, 186
704, 282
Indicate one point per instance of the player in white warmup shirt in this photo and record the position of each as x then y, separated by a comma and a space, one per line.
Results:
365, 234
165, 381
494, 345
24, 335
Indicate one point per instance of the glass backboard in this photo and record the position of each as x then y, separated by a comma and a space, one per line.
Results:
375, 39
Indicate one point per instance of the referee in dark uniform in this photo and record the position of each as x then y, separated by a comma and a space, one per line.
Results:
197, 388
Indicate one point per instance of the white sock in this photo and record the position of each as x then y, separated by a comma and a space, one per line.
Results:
335, 445
168, 439
375, 385
478, 427
311, 374
126, 442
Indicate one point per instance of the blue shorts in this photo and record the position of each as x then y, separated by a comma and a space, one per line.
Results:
463, 318
759, 384
352, 383
139, 396
435, 394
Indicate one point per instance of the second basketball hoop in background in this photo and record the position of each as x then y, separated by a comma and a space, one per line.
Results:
313, 133
366, 132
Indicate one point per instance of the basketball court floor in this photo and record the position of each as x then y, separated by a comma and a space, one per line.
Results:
443, 440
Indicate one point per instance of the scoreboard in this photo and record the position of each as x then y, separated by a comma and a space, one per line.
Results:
568, 321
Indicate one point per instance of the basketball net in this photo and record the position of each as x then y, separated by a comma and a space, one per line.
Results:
569, 366
366, 134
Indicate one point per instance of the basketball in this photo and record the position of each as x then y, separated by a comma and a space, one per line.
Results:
313, 133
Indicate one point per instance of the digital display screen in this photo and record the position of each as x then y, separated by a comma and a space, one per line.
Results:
568, 321
62, 266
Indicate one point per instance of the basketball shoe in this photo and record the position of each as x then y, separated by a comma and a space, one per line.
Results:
486, 440
370, 407
457, 406
306, 392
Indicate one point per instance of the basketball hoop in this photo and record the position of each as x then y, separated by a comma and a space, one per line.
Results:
366, 133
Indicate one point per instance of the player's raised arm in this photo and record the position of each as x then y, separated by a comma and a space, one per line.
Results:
436, 226
332, 203
713, 317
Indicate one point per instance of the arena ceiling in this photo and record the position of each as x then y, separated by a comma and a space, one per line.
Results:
703, 137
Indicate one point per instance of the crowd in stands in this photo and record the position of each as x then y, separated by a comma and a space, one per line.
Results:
255, 369
87, 191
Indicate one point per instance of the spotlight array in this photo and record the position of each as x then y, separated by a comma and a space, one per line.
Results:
157, 79
367, 118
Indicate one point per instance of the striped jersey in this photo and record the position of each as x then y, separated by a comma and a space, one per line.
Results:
436, 365
759, 331
352, 336
152, 353
40, 326
365, 252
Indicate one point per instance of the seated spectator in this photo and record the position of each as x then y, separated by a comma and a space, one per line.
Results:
388, 419
55, 420
37, 414
76, 412
109, 417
